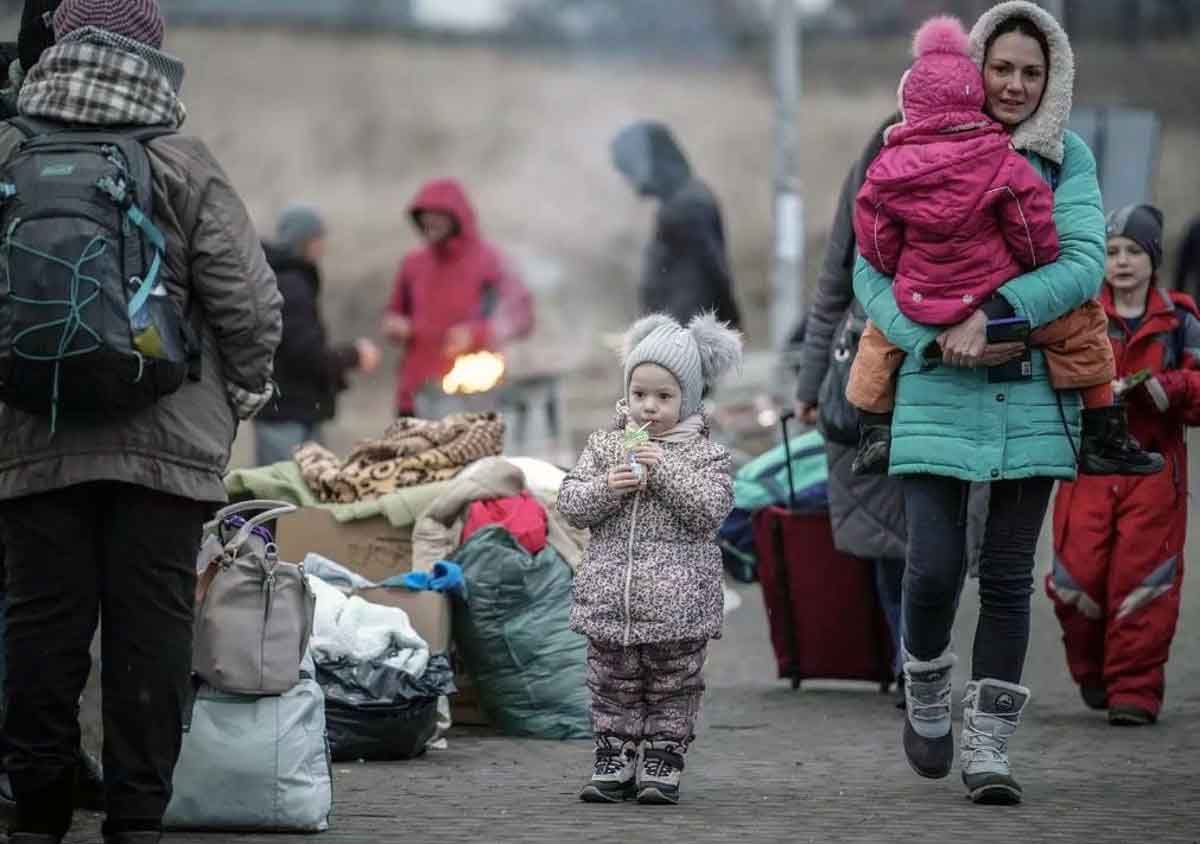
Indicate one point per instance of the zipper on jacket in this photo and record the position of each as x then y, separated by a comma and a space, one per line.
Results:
637, 496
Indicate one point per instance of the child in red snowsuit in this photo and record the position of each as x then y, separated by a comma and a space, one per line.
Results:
1118, 542
953, 212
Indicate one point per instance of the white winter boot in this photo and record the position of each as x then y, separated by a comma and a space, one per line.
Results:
991, 713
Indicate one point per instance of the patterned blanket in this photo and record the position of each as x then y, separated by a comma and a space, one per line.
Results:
411, 452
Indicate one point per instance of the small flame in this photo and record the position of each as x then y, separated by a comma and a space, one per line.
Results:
474, 373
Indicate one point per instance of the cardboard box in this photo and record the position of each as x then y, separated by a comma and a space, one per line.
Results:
465, 710
372, 547
429, 612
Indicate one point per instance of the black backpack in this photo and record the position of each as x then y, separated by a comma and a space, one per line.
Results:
87, 326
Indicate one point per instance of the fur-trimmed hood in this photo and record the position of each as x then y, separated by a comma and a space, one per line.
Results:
1043, 131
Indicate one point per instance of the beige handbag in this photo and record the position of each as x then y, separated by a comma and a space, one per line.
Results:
254, 613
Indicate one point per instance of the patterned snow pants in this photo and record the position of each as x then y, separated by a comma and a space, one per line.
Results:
647, 691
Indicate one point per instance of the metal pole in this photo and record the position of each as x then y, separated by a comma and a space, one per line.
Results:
787, 281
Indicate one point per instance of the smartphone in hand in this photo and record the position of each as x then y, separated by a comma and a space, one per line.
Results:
1008, 330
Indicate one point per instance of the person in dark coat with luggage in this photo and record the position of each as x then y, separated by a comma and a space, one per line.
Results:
866, 512
309, 370
686, 269
101, 519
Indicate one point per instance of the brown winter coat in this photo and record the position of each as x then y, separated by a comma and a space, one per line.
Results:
652, 572
180, 445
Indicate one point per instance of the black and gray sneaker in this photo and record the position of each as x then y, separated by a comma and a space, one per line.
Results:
613, 772
874, 446
928, 741
659, 772
991, 714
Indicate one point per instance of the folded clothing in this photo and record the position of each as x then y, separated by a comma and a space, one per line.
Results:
521, 515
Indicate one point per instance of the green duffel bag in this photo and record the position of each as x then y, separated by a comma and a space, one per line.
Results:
528, 666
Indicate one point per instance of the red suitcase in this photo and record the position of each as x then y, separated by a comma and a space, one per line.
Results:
822, 608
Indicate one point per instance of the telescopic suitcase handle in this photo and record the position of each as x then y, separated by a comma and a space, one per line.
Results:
787, 456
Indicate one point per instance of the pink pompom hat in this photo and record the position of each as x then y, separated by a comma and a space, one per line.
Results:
943, 80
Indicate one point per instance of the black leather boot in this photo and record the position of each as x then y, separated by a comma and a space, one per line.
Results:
874, 445
1108, 449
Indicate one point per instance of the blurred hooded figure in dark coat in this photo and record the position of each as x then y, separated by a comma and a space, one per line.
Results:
686, 270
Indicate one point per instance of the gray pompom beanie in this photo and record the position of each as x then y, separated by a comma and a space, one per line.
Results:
697, 355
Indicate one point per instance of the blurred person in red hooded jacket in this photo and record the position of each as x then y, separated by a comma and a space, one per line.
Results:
452, 296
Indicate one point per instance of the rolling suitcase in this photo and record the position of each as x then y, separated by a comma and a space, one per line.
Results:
822, 608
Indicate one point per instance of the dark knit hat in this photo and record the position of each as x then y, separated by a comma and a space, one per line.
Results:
37, 30
1143, 224
138, 20
297, 225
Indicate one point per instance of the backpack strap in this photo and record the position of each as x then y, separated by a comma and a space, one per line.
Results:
32, 127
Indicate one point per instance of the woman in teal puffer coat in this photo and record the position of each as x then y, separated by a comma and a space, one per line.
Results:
953, 425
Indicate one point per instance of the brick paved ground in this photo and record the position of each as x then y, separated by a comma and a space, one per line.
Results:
821, 765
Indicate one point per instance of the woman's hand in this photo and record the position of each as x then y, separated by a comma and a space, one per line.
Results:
806, 413
622, 480
966, 345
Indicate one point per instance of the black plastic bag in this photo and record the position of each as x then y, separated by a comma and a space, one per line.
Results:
377, 712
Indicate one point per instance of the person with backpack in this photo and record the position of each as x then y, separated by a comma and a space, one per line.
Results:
16, 57
1118, 542
309, 370
143, 319
866, 512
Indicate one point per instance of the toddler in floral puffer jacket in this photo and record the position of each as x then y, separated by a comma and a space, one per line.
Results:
653, 490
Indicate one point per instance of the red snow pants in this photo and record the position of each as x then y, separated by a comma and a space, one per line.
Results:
1118, 566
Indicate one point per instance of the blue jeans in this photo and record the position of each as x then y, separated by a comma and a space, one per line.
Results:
889, 585
274, 441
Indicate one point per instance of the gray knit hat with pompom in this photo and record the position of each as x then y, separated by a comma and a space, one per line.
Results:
697, 355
